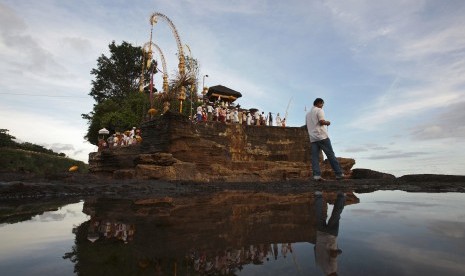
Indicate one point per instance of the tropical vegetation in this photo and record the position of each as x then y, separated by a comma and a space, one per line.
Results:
119, 105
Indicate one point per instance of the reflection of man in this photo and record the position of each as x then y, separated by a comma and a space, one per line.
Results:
326, 250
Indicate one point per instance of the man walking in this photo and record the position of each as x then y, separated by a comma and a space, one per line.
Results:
315, 120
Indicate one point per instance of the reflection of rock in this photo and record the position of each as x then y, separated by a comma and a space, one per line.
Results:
226, 218
175, 149
168, 231
230, 218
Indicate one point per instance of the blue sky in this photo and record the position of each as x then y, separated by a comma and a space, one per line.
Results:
391, 72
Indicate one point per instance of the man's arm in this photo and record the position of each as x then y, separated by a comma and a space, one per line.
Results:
323, 123
321, 117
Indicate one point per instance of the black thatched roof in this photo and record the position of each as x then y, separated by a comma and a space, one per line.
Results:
226, 93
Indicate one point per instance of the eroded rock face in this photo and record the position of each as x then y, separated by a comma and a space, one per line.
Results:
345, 163
110, 160
370, 174
173, 148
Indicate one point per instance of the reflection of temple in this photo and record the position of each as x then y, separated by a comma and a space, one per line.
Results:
110, 230
217, 233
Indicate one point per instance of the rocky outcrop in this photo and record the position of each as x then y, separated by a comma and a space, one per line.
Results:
370, 174
174, 148
108, 161
433, 178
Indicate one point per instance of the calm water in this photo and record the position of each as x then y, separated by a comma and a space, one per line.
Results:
240, 233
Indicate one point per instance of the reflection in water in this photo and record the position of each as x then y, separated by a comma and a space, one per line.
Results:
234, 233
14, 211
219, 234
326, 249
231, 260
110, 230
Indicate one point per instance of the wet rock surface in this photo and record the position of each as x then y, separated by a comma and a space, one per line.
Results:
22, 187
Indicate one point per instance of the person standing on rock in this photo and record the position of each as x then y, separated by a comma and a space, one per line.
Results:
210, 113
278, 120
319, 139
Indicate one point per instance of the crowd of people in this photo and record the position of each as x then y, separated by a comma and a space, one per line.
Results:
120, 139
219, 111
229, 113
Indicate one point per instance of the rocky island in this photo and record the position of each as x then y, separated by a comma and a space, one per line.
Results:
180, 158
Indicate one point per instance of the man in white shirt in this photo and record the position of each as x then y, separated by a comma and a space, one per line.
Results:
318, 133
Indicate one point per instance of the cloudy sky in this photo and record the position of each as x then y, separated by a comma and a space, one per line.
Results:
391, 72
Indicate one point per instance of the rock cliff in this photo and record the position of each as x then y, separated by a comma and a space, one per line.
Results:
173, 148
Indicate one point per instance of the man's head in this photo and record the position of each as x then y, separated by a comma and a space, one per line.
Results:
318, 102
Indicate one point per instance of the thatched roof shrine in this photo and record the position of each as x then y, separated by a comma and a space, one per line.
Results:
226, 94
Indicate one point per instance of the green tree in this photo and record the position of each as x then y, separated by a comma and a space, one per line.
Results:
6, 140
119, 105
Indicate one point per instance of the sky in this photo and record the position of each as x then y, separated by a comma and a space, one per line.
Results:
391, 72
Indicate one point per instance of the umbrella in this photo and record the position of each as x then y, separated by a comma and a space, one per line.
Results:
104, 131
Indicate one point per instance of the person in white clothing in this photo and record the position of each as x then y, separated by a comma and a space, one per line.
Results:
209, 113
249, 119
278, 120
217, 113
235, 116
257, 118
319, 139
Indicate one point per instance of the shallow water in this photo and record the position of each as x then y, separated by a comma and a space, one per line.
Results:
240, 233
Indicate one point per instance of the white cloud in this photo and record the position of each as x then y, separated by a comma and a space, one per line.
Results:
394, 40
401, 106
422, 257
447, 124
249, 7
386, 67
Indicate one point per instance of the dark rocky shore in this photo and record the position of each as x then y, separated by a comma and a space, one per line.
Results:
24, 186
23, 196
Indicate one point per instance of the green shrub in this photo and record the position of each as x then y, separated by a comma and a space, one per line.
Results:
18, 160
